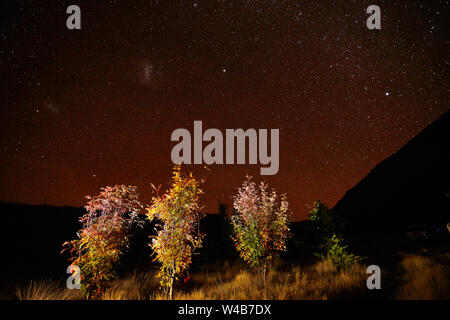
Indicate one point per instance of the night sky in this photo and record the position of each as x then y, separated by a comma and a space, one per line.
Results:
82, 109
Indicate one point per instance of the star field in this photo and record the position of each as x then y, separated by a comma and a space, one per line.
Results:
86, 108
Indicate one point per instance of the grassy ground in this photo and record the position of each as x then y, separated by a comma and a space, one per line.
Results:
425, 278
417, 277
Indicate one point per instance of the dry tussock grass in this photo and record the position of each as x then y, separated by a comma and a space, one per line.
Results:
421, 278
424, 278
136, 286
321, 281
46, 289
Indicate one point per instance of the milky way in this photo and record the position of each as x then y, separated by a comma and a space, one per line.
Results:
86, 108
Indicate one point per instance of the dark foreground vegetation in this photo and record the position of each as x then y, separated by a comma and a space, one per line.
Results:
411, 268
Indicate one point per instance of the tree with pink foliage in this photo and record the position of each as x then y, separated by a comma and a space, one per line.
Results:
261, 224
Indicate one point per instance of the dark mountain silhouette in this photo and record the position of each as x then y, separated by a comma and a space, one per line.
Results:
410, 187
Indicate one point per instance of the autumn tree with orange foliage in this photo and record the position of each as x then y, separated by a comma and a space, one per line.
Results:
104, 237
178, 235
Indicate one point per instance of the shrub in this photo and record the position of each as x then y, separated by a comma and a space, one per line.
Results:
335, 250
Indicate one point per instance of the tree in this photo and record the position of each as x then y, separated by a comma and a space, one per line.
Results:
104, 236
260, 224
223, 208
321, 217
178, 235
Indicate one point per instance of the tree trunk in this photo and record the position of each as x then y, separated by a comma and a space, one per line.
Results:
172, 278
171, 289
264, 273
